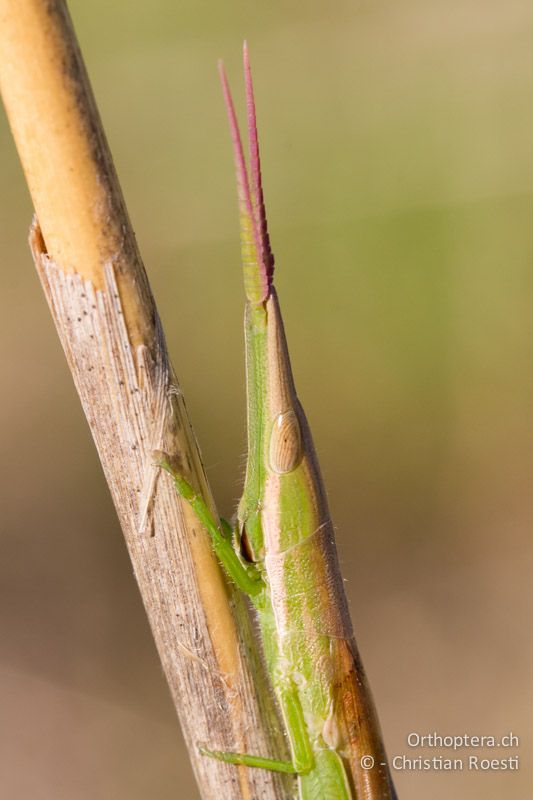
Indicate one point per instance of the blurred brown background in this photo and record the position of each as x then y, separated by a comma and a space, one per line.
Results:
398, 161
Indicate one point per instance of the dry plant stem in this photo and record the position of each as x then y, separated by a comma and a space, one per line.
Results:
98, 293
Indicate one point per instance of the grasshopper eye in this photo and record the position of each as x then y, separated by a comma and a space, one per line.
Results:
285, 443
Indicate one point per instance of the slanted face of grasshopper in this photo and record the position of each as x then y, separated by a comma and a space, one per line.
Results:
282, 552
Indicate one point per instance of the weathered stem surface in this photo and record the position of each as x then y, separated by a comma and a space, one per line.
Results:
96, 286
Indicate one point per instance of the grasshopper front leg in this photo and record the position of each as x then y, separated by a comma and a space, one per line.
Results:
246, 577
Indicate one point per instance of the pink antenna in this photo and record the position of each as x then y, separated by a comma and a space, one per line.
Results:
255, 167
257, 258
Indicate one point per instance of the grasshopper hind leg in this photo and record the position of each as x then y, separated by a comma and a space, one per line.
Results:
244, 759
326, 781
302, 761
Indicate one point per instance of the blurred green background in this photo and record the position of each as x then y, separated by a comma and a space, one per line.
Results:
398, 164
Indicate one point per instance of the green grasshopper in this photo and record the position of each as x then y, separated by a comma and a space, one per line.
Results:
282, 552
